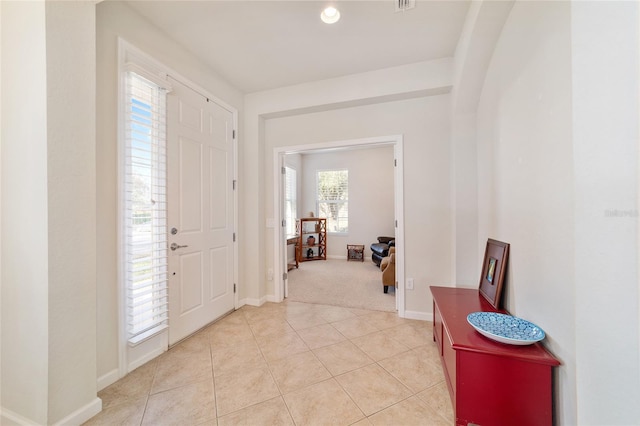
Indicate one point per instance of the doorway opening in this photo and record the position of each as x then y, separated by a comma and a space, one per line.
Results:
336, 240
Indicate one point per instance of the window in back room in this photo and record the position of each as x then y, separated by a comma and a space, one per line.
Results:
332, 199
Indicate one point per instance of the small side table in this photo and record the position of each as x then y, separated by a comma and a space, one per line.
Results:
355, 252
293, 241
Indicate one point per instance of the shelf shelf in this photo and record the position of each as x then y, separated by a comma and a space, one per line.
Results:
316, 227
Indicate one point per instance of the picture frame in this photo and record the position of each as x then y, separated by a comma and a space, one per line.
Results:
494, 268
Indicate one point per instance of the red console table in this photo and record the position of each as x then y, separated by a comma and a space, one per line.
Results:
490, 383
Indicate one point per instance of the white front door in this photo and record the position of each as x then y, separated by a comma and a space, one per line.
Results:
200, 211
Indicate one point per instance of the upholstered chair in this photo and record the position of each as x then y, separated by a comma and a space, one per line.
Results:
380, 250
388, 268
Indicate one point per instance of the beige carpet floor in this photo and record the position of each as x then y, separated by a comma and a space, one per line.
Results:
340, 283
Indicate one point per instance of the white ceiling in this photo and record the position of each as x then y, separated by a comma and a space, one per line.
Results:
259, 45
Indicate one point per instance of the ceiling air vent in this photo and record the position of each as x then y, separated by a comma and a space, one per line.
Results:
402, 5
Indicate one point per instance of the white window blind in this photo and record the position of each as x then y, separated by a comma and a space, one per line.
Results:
333, 199
290, 200
145, 207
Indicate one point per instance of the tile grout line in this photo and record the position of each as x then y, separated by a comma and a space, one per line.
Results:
281, 395
146, 402
213, 377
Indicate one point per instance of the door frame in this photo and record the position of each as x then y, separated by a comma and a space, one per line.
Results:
279, 240
132, 357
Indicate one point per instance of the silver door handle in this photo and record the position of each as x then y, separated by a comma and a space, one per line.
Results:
175, 246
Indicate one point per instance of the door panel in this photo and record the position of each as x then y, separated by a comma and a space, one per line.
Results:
201, 208
191, 117
218, 207
190, 282
219, 271
190, 186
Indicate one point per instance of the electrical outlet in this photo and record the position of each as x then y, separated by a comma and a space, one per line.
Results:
270, 274
409, 283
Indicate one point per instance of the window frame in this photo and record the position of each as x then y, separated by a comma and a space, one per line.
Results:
290, 197
133, 62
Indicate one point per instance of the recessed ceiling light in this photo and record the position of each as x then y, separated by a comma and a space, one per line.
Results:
330, 15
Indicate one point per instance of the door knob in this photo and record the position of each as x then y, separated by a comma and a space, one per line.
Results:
175, 246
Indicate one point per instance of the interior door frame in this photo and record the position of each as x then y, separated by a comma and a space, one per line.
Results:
279, 240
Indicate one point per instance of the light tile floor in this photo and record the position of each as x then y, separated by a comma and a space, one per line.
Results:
289, 364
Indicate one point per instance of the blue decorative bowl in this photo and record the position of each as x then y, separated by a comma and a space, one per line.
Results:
505, 328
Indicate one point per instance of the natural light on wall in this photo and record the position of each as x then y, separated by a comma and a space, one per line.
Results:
145, 206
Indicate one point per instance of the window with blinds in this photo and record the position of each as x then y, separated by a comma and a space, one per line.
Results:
333, 199
145, 208
290, 200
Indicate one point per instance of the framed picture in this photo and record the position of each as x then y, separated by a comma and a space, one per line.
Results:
494, 268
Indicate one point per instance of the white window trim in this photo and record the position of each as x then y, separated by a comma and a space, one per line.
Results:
132, 61
132, 355
291, 222
146, 159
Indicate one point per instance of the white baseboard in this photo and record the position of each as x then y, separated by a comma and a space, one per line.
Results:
251, 301
271, 298
8, 417
78, 417
82, 414
258, 302
417, 315
145, 359
108, 379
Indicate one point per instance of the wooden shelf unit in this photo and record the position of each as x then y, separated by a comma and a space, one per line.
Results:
490, 383
315, 227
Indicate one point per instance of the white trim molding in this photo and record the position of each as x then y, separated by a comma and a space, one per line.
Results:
416, 315
257, 302
82, 414
108, 379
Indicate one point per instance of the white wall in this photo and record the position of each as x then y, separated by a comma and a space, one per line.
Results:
371, 196
557, 132
71, 177
115, 19
375, 87
24, 248
424, 123
525, 169
48, 213
483, 25
605, 46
